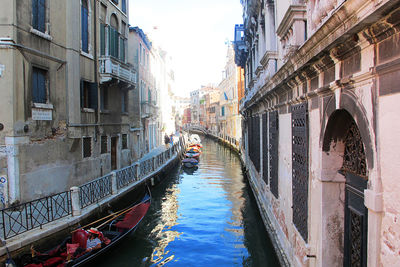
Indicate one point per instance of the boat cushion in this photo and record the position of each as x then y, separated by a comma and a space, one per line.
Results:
133, 217
80, 236
53, 261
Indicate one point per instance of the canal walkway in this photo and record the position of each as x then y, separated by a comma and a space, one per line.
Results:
108, 189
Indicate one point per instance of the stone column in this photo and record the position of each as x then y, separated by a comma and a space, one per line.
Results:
114, 188
76, 205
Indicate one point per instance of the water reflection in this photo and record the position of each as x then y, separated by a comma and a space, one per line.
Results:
200, 217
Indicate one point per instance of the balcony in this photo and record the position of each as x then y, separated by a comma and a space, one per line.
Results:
111, 68
149, 109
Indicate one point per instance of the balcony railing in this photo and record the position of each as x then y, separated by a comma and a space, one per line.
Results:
148, 109
110, 67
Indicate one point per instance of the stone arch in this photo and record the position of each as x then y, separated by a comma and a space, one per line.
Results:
341, 129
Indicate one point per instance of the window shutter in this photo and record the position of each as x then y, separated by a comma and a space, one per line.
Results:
35, 14
34, 86
42, 87
84, 29
102, 39
121, 49
93, 96
82, 95
41, 15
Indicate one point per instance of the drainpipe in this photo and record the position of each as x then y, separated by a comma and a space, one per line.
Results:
97, 113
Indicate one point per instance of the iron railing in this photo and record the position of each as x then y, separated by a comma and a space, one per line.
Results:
30, 215
126, 176
21, 218
94, 191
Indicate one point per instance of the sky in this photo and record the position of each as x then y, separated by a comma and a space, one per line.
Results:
193, 32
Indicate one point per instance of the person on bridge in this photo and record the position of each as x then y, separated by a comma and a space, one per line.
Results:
166, 140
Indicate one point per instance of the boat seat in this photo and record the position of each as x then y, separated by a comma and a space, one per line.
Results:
133, 217
80, 236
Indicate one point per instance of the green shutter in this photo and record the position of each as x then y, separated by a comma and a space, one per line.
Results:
102, 39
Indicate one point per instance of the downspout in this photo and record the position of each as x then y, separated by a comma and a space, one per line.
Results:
96, 129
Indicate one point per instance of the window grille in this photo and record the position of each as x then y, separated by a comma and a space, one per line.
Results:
87, 147
103, 142
39, 15
39, 82
254, 142
124, 141
265, 147
273, 152
300, 168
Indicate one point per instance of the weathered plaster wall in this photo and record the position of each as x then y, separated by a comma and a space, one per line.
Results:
389, 128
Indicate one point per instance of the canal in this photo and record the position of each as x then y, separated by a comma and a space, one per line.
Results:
200, 217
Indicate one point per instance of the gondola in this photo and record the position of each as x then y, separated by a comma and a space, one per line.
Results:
113, 229
190, 162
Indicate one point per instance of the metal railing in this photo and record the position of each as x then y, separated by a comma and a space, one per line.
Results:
30, 215
21, 218
95, 190
126, 176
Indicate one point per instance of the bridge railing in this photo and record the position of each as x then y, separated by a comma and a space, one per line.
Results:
27, 216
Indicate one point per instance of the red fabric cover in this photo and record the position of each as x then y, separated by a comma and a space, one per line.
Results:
34, 265
71, 248
53, 262
133, 217
80, 236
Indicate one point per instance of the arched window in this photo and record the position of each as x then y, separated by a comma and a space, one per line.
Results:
113, 36
85, 26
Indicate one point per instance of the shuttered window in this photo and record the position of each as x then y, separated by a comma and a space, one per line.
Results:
87, 147
122, 49
102, 39
39, 15
39, 84
113, 39
124, 6
89, 96
84, 26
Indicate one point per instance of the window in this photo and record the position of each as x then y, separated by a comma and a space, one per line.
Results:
140, 53
124, 102
222, 111
84, 26
113, 36
103, 142
87, 147
124, 6
104, 98
102, 39
122, 49
124, 141
39, 15
39, 84
148, 95
88, 95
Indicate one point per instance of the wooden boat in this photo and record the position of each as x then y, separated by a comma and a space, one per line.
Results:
192, 155
190, 162
113, 230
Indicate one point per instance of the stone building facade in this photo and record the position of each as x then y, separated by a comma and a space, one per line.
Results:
64, 78
320, 127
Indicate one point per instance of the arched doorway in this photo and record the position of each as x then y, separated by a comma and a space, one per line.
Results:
344, 179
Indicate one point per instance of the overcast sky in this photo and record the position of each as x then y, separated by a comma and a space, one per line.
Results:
193, 32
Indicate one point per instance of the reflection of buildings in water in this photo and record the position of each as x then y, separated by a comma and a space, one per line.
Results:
162, 233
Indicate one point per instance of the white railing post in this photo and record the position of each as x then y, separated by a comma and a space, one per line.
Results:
137, 171
114, 189
76, 205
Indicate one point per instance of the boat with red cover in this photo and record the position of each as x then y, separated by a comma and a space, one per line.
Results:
113, 228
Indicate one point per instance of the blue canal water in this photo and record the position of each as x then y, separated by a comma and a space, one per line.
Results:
203, 217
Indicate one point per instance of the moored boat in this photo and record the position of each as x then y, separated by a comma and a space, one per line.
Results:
113, 228
190, 162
